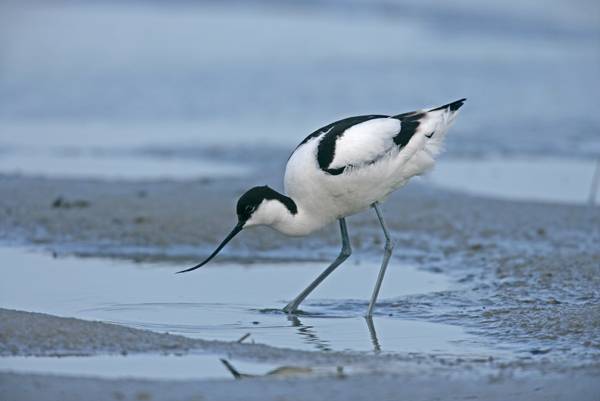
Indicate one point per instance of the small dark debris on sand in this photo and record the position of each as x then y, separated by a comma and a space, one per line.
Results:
62, 203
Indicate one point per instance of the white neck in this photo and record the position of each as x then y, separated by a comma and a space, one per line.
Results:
274, 213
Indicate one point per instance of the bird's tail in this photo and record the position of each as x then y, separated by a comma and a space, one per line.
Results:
451, 107
441, 118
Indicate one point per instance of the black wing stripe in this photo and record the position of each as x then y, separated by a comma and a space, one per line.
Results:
409, 122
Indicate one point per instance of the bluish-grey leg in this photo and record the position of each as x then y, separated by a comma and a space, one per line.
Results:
387, 253
344, 253
373, 333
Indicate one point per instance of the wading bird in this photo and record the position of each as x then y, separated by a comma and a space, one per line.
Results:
340, 170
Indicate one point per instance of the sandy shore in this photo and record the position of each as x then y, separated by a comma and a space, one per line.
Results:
172, 220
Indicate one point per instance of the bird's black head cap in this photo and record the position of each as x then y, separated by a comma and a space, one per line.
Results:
249, 201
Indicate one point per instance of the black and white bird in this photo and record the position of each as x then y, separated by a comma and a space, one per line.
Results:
342, 169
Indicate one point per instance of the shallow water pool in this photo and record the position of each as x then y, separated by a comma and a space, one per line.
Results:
225, 302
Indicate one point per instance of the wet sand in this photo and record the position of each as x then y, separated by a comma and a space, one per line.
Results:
173, 220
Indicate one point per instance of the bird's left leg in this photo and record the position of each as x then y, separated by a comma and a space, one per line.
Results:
387, 253
373, 333
344, 254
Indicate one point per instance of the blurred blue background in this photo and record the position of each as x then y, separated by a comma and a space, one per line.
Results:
104, 78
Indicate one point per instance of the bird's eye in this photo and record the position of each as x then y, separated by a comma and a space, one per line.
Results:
249, 209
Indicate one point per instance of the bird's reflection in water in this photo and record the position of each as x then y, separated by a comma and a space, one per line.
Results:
309, 334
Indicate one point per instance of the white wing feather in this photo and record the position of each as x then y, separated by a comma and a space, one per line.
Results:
365, 142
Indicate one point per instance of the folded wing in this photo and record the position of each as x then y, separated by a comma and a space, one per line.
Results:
366, 141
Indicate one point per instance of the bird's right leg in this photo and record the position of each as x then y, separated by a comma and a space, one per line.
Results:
344, 253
